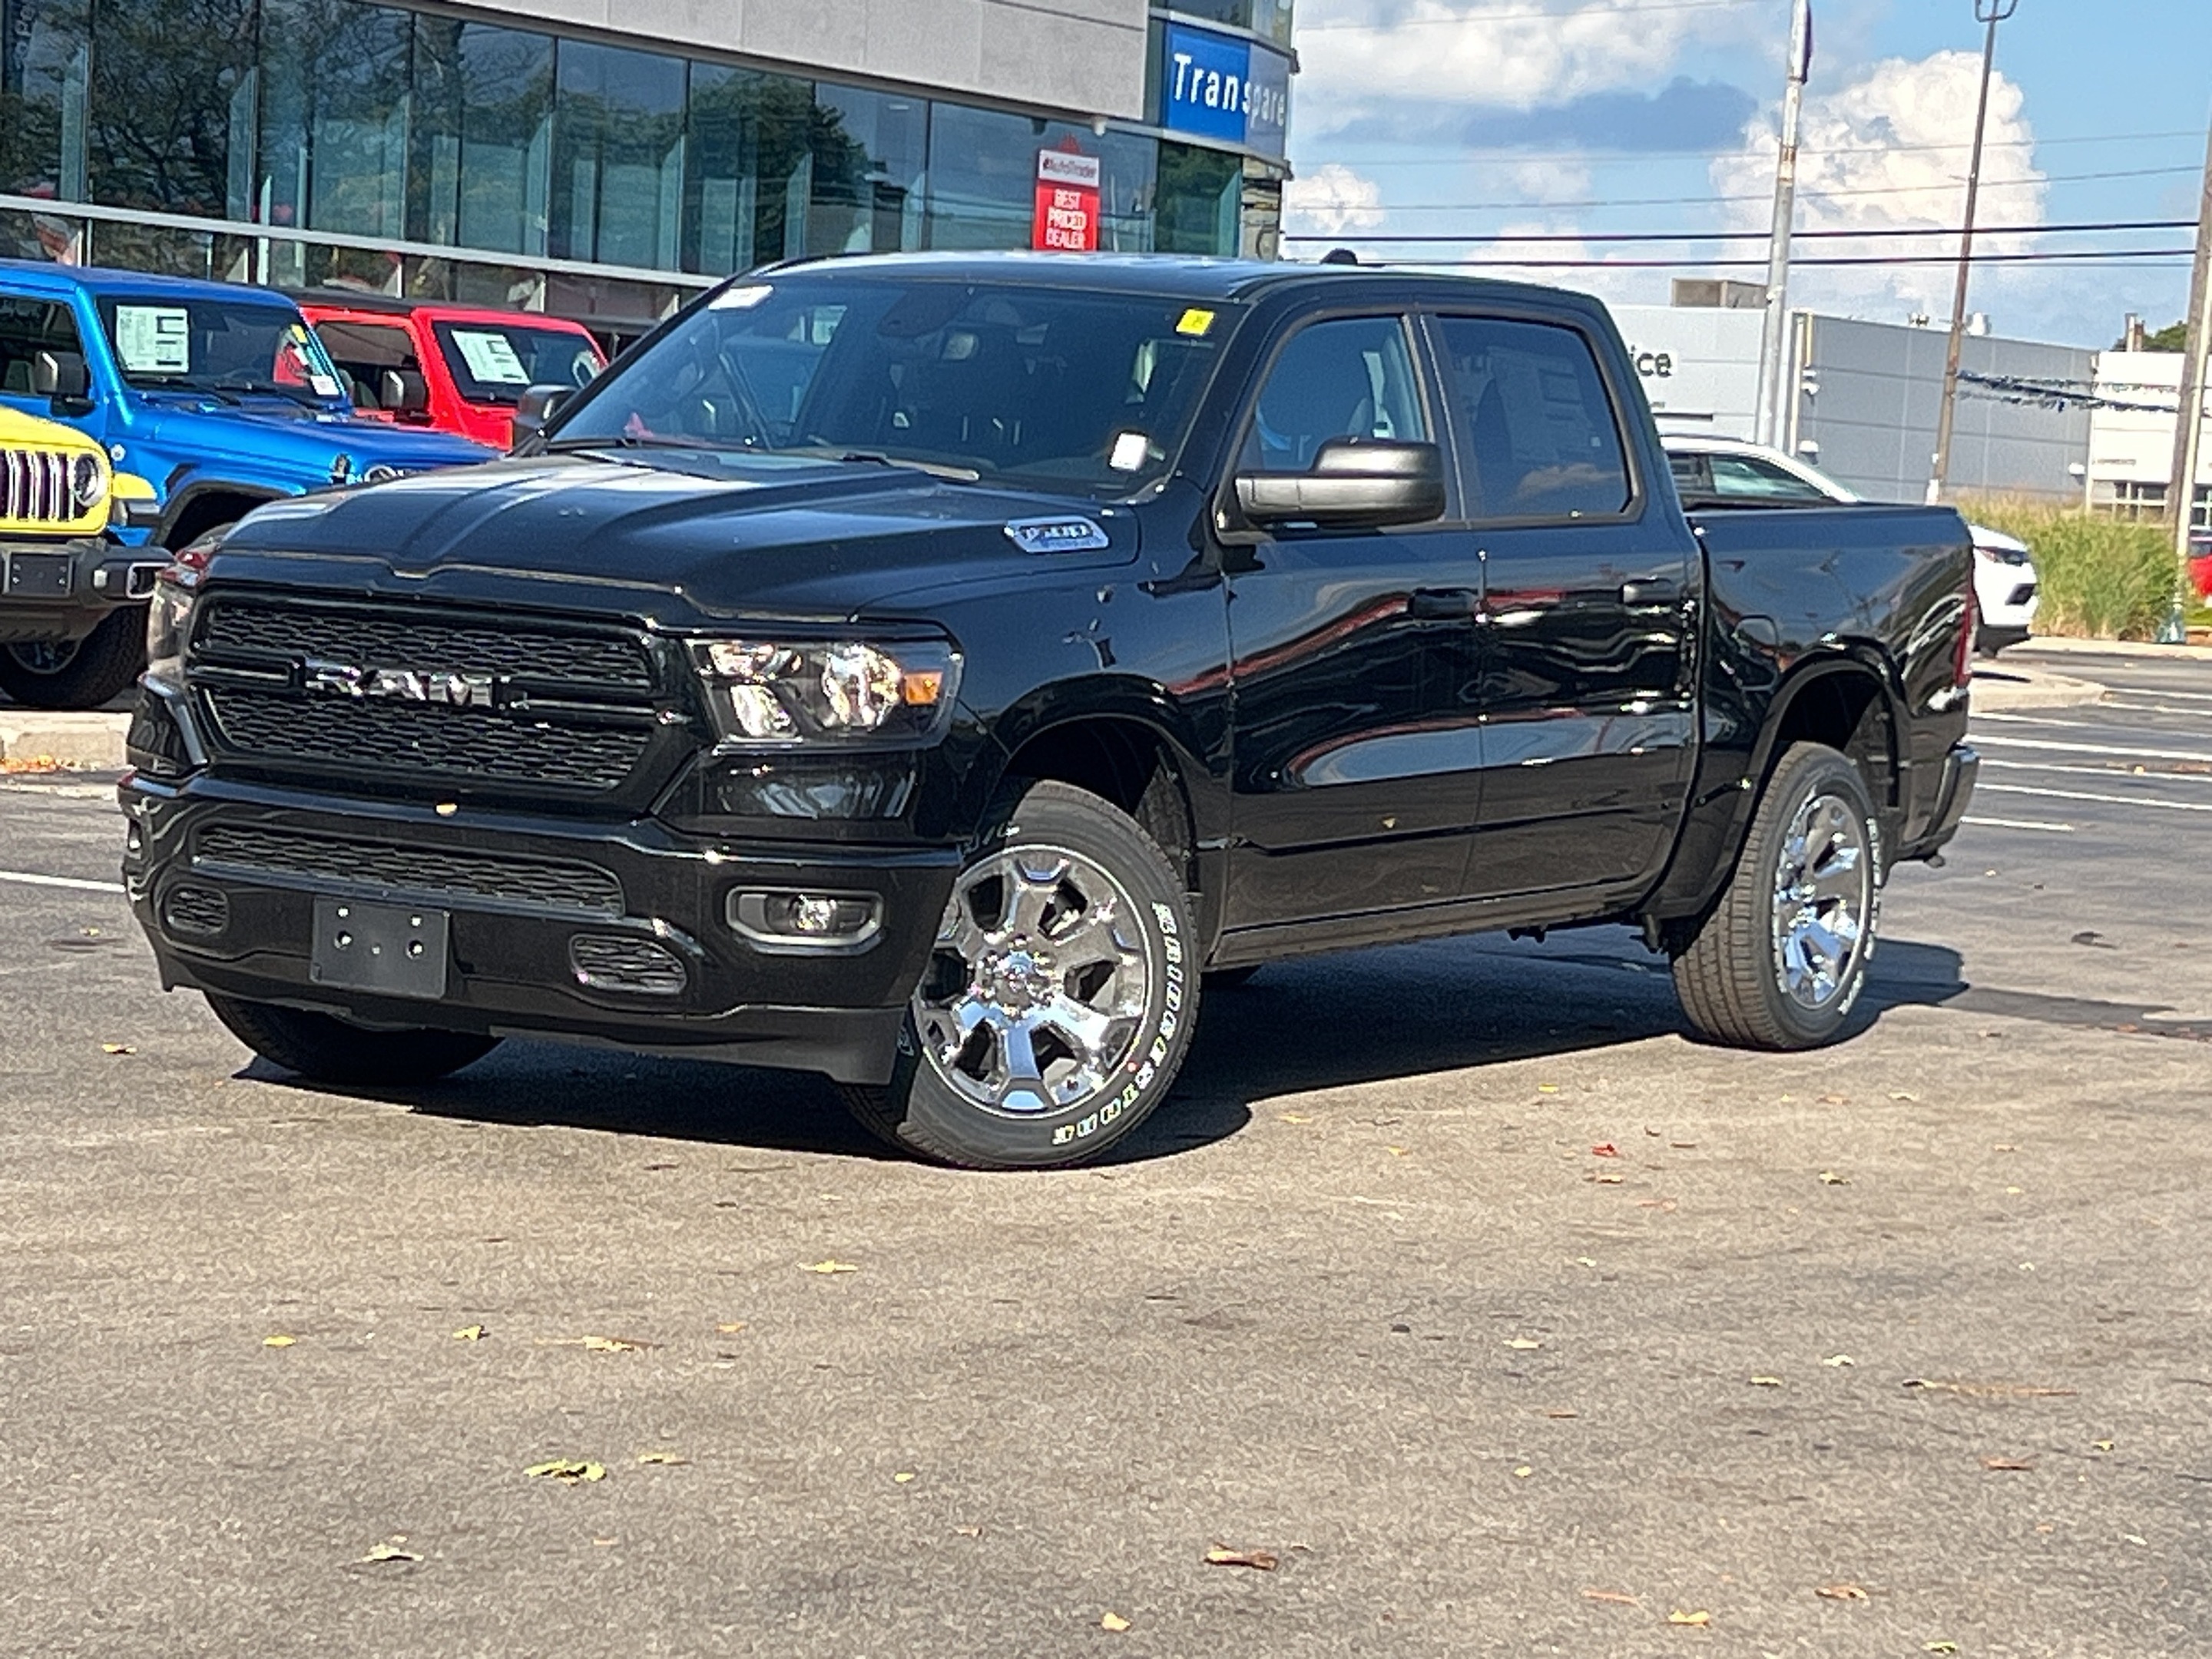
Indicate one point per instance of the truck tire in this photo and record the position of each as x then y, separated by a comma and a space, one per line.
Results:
326, 1049
83, 673
1781, 959
1060, 1002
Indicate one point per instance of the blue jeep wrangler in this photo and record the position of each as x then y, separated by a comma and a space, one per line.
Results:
220, 396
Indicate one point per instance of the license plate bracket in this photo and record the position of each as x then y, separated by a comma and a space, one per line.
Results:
395, 950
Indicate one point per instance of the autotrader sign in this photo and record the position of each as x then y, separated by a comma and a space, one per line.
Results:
1067, 203
1221, 87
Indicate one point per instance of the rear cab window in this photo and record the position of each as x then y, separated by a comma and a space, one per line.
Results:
1538, 435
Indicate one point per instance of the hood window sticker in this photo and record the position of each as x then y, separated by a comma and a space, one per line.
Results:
491, 356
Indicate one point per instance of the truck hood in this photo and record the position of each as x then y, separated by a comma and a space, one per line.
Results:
279, 432
675, 545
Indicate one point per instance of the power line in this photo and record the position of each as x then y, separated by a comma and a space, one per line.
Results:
1749, 235
1600, 153
1524, 204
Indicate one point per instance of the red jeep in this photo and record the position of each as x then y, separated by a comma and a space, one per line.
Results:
422, 362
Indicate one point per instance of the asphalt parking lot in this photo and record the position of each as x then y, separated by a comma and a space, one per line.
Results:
1500, 1316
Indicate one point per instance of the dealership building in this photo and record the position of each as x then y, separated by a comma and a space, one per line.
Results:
604, 158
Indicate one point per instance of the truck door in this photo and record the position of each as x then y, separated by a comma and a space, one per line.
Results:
1357, 762
1586, 683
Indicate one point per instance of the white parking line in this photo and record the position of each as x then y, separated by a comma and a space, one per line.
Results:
2140, 774
72, 883
2018, 823
2082, 795
2056, 748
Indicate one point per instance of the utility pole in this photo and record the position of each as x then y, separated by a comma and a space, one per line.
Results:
2188, 430
1991, 13
1773, 342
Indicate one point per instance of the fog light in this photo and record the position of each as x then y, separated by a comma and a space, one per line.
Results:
807, 922
196, 912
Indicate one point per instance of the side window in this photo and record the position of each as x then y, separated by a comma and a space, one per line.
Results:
1352, 377
1537, 435
1694, 474
1745, 477
362, 351
28, 327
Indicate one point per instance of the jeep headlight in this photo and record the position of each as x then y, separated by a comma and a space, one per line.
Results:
796, 691
88, 482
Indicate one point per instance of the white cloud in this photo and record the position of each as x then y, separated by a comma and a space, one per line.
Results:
1888, 151
1331, 199
1544, 179
1359, 56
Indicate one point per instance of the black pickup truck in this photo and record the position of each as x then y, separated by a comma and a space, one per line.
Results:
939, 672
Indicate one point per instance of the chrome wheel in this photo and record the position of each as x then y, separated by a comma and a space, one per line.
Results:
1039, 985
1823, 902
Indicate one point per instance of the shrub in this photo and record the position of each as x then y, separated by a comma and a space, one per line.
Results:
2100, 579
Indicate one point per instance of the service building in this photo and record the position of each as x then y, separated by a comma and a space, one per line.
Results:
604, 158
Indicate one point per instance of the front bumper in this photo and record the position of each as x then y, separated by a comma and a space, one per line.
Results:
60, 590
225, 878
1961, 768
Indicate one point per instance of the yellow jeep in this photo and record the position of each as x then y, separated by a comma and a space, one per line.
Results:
72, 610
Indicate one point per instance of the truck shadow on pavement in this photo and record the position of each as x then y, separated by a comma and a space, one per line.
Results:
1332, 1022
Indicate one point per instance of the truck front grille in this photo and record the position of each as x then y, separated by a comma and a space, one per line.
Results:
437, 701
34, 487
426, 871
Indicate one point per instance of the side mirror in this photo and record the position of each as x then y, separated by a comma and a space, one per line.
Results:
535, 409
60, 375
405, 393
1355, 483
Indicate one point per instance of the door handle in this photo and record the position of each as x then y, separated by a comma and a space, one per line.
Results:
1651, 590
1441, 605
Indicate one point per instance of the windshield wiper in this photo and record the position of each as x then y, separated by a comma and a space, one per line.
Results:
877, 458
649, 441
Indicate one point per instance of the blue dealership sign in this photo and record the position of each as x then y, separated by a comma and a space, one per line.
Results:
1221, 87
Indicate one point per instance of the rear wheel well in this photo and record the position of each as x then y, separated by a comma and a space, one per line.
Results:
1126, 764
203, 512
1848, 713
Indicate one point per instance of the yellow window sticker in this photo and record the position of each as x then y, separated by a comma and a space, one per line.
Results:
1194, 322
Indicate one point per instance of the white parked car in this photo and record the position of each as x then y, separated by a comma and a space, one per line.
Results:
1732, 472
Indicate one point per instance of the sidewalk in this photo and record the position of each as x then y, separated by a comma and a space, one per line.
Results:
33, 738
2067, 647
2008, 684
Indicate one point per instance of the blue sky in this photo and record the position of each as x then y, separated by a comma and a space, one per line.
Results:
1561, 119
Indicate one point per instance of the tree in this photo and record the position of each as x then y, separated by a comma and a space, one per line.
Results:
2174, 337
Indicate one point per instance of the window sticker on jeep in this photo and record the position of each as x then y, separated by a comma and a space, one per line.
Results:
491, 357
154, 339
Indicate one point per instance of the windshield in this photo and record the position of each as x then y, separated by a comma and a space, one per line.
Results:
1040, 386
219, 346
492, 362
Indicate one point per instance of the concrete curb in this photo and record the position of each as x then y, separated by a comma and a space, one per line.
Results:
80, 743
2059, 646
2015, 685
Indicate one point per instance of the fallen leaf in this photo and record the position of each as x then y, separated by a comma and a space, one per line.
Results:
1586, 1261
1295, 1117
1547, 1088
469, 1334
1942, 1647
1903, 1094
1605, 1149
1835, 1100
1606, 1180
1765, 1381
664, 1459
1830, 1178
1395, 1151
2133, 1538
606, 1543
278, 1341
1701, 1616
1112, 1621
25, 765
1667, 1206
1683, 1145
730, 1328
1840, 1592
832, 1265
2014, 1191
2005, 1463
566, 1471
2102, 1445
969, 1532
116, 1049
902, 1477
597, 1344
1220, 1555
1523, 1342
1839, 1360
390, 1552
1563, 1415
1523, 1472
1618, 1598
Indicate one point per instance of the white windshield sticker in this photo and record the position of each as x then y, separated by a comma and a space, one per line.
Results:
154, 339
740, 299
324, 385
491, 357
1130, 452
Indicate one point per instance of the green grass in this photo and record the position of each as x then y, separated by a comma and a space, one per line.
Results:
2101, 578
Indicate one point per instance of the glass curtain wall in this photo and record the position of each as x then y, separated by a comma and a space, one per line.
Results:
376, 121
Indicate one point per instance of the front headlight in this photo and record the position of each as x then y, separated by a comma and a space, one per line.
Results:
169, 624
785, 692
88, 482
